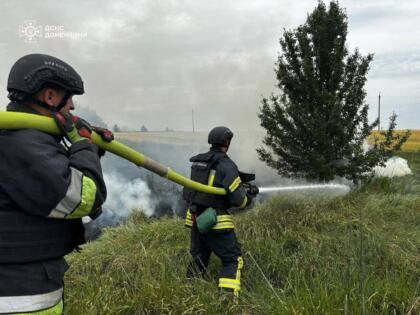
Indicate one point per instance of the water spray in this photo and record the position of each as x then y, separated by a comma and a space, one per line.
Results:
265, 190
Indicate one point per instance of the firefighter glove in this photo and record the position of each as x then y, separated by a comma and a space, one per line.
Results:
73, 127
105, 134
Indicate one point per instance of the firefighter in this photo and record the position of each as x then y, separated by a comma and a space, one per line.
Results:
216, 235
45, 187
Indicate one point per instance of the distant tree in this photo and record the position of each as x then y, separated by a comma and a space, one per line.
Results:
116, 128
143, 129
317, 123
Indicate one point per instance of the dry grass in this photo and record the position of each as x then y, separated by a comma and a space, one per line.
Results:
413, 143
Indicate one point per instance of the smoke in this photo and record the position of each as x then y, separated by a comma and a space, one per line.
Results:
366, 146
394, 167
126, 195
89, 115
132, 188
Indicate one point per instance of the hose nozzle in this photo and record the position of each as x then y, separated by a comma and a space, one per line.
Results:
251, 189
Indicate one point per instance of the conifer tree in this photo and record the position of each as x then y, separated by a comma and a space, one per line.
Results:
316, 125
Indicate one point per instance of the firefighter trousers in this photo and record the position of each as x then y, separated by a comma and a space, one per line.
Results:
225, 246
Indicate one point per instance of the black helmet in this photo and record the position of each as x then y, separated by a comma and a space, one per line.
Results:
220, 136
32, 72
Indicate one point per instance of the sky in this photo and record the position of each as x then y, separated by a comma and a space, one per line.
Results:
153, 62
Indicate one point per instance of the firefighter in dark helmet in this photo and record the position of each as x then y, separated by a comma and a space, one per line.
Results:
212, 227
45, 187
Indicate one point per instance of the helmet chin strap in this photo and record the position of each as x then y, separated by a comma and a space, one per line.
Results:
57, 108
63, 101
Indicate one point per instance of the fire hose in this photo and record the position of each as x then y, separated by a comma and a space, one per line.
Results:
13, 121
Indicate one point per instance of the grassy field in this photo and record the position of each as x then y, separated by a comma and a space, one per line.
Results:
357, 254
413, 143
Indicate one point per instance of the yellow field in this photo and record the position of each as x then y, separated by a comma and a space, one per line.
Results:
413, 143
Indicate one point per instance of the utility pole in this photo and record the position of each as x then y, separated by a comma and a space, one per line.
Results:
192, 116
379, 111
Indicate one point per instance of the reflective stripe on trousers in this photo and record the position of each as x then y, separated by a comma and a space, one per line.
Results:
188, 219
55, 310
233, 284
30, 303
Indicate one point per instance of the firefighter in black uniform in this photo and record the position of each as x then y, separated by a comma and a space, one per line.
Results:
215, 168
45, 188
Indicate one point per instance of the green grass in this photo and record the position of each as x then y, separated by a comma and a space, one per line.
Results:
303, 255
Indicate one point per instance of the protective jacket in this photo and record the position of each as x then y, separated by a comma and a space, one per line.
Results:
215, 168
45, 190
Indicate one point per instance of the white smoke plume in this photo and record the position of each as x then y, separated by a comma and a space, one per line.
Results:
126, 195
394, 167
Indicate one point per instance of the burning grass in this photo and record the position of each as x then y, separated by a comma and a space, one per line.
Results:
303, 255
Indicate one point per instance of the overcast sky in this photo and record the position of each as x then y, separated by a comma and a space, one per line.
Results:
153, 62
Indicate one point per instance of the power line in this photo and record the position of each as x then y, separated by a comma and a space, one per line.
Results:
379, 112
192, 117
